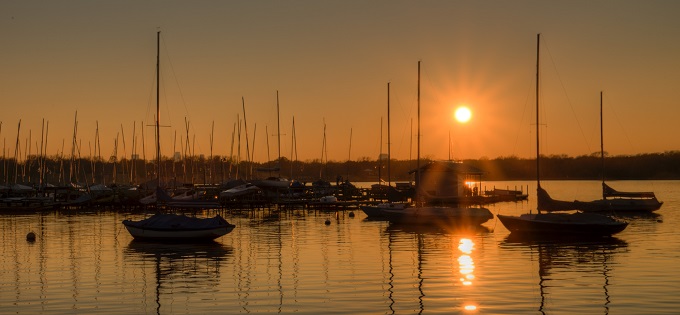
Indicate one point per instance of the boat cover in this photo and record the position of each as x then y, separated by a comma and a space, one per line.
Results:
547, 203
179, 222
611, 192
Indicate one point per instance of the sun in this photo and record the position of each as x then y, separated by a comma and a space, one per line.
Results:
463, 114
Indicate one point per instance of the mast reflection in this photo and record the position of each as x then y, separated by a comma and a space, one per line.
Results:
191, 268
559, 256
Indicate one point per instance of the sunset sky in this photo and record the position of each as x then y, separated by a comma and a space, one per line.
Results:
331, 61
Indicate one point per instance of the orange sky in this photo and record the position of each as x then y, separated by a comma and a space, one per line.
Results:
331, 61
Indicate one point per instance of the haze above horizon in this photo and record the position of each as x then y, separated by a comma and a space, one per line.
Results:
330, 63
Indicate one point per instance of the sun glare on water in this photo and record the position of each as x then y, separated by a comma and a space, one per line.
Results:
463, 114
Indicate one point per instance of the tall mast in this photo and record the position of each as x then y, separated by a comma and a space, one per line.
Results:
418, 183
538, 152
238, 149
158, 108
389, 157
16, 154
269, 159
74, 143
245, 126
380, 153
410, 144
41, 160
96, 145
349, 154
231, 152
602, 143
323, 149
293, 150
124, 159
212, 136
278, 131
133, 169
44, 169
449, 145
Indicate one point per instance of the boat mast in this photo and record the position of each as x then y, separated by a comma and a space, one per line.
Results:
278, 131
602, 144
538, 152
293, 149
41, 160
418, 135
269, 160
349, 154
324, 150
96, 145
212, 165
245, 126
389, 158
143, 152
44, 169
380, 154
158, 109
16, 155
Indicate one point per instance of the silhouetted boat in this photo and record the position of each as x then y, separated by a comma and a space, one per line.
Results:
238, 191
619, 201
173, 227
612, 200
557, 223
404, 213
579, 223
418, 214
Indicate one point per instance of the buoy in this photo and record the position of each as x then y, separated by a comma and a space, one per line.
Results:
328, 222
30, 237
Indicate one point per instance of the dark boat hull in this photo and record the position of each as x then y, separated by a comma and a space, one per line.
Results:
177, 235
563, 224
449, 216
178, 228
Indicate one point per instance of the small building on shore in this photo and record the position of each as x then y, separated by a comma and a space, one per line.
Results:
448, 182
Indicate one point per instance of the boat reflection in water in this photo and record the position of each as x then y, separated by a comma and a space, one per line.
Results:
566, 263
178, 270
443, 262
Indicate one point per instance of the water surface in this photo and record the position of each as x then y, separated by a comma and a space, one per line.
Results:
291, 262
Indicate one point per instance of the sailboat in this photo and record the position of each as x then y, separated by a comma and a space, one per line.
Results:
167, 226
417, 214
612, 200
275, 185
576, 223
619, 201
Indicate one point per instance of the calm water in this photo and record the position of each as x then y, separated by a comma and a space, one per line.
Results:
291, 262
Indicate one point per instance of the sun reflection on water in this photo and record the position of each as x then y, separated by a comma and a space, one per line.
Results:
466, 267
465, 262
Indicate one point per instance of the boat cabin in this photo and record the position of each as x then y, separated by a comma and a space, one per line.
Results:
446, 182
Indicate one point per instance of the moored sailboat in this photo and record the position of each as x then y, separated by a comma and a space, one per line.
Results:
577, 223
619, 201
172, 227
612, 201
622, 202
417, 213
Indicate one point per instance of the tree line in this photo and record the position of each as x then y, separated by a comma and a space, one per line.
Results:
218, 169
